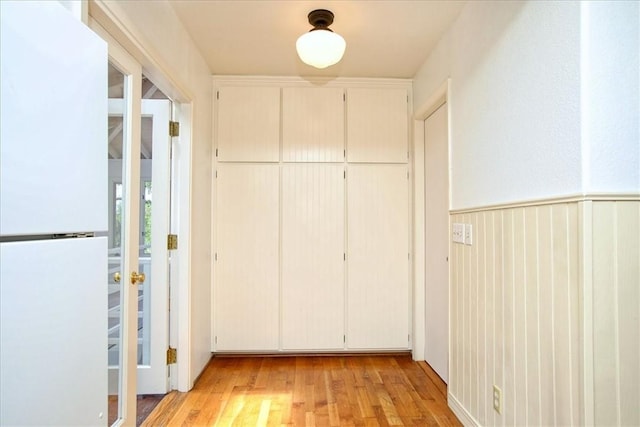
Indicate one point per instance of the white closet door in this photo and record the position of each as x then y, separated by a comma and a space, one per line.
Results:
377, 125
312, 257
248, 124
377, 256
313, 124
246, 294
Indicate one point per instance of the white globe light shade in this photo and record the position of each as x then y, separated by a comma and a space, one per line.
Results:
320, 48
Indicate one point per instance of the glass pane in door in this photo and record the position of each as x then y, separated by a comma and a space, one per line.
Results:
116, 278
144, 255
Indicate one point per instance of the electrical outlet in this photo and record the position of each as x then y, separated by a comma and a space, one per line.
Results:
468, 234
497, 399
458, 232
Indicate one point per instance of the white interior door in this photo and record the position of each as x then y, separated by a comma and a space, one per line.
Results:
124, 278
437, 242
152, 249
52, 290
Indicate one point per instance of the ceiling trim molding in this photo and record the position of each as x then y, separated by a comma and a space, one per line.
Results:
295, 81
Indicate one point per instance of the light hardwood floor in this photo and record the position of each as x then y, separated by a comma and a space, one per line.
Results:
310, 391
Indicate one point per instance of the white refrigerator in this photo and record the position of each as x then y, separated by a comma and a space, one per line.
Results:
53, 210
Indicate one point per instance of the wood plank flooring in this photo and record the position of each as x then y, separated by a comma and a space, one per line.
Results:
310, 391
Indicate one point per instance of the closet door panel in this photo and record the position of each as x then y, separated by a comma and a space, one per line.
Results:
246, 292
312, 257
313, 124
248, 124
377, 125
377, 257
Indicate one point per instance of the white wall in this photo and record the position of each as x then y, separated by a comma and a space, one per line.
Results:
155, 36
540, 94
515, 93
544, 103
611, 96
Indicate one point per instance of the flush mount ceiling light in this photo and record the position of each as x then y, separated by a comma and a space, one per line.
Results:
320, 47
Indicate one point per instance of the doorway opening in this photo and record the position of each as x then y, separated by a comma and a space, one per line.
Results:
151, 159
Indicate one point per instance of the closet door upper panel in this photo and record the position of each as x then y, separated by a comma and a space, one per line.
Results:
377, 125
313, 124
248, 126
377, 257
246, 289
312, 256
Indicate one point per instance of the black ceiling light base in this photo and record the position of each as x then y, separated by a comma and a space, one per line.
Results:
320, 19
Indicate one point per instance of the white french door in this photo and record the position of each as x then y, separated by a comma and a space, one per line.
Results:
154, 185
124, 277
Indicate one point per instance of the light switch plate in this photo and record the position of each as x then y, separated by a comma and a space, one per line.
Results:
468, 234
458, 232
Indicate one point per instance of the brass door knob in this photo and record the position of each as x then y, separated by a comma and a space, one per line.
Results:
116, 277
137, 277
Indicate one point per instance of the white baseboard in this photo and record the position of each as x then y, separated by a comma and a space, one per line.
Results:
463, 415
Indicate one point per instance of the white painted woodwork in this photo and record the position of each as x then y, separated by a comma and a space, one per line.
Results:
153, 378
377, 257
54, 321
312, 257
248, 124
246, 291
615, 322
377, 125
131, 134
437, 242
312, 124
36, 134
515, 316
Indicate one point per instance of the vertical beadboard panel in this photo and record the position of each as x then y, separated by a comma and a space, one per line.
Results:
377, 256
480, 237
628, 277
488, 241
616, 324
248, 124
563, 313
520, 319
515, 315
509, 388
545, 302
377, 129
472, 321
312, 257
575, 311
532, 297
312, 124
455, 339
465, 342
497, 259
247, 275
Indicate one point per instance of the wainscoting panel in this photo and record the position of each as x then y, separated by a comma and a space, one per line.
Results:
515, 318
616, 312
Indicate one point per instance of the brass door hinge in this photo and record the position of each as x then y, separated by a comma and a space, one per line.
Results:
174, 129
172, 241
172, 356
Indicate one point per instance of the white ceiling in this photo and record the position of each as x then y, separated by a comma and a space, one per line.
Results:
257, 37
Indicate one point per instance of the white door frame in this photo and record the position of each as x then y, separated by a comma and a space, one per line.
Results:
129, 323
106, 23
439, 96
